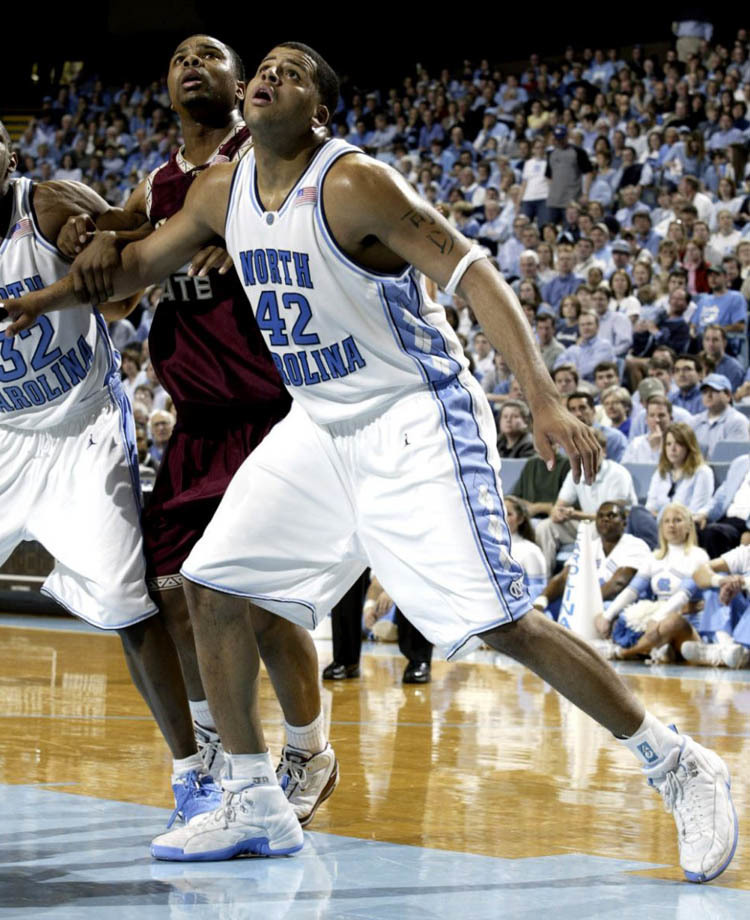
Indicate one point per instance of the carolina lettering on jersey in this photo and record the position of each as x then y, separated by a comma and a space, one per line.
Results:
306, 367
19, 288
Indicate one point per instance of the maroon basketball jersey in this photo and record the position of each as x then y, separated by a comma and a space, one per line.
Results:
204, 343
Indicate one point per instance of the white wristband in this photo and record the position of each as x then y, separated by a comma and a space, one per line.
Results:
473, 255
369, 605
542, 602
716, 580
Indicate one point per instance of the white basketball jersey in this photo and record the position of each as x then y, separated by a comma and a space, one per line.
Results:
63, 363
346, 340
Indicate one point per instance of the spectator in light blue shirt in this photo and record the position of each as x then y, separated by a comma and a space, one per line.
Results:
581, 405
645, 237
565, 282
726, 135
720, 421
590, 349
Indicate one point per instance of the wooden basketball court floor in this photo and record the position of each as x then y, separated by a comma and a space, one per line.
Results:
482, 795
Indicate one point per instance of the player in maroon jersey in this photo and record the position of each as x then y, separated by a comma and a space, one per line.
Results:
209, 355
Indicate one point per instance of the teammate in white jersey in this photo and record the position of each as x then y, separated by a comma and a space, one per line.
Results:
404, 476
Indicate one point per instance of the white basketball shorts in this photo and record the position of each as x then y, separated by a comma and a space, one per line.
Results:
74, 489
414, 492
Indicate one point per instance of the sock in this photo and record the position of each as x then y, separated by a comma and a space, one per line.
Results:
193, 762
652, 742
243, 770
310, 737
201, 713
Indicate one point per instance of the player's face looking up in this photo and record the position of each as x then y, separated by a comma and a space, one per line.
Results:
202, 71
284, 90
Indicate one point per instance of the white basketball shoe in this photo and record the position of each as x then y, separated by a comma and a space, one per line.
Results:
307, 779
694, 784
210, 749
251, 820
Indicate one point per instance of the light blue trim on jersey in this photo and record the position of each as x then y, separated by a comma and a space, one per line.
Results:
404, 297
255, 597
66, 605
234, 185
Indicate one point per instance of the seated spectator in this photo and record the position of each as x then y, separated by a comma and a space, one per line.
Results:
696, 267
722, 527
523, 546
687, 374
539, 486
161, 423
646, 448
617, 556
730, 574
565, 379
581, 404
726, 238
614, 328
606, 375
565, 282
567, 326
649, 627
618, 405
591, 348
613, 483
549, 346
720, 421
514, 425
716, 357
622, 299
720, 307
671, 329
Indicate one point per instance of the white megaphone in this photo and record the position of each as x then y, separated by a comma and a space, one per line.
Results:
582, 599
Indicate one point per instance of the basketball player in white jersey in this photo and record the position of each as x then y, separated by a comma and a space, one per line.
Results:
388, 454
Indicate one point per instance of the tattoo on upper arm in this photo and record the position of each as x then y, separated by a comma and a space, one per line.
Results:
439, 237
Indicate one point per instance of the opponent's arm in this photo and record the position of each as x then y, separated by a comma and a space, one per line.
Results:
390, 213
147, 261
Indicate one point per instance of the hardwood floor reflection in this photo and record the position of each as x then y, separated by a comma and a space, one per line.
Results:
486, 759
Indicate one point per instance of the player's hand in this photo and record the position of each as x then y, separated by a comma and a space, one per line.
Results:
383, 605
75, 235
208, 258
94, 267
555, 425
22, 311
603, 625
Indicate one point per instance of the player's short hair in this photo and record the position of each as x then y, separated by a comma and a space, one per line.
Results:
237, 63
325, 77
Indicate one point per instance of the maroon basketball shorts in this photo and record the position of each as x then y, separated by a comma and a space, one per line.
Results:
196, 469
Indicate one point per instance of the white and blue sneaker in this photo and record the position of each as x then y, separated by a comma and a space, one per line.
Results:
255, 820
694, 784
194, 793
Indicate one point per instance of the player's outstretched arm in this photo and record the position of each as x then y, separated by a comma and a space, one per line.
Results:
145, 262
388, 209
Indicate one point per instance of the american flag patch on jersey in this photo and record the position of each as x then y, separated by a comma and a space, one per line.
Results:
307, 195
24, 227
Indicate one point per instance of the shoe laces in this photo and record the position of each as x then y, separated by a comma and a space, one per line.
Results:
682, 798
190, 786
231, 803
293, 769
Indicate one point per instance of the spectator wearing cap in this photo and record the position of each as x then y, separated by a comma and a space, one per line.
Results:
565, 282
550, 348
590, 349
569, 171
645, 236
620, 257
687, 373
714, 350
720, 421
614, 328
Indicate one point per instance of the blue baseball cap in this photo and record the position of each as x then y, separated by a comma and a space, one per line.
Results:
716, 382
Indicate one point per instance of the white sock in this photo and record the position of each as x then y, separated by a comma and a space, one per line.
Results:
310, 737
242, 770
201, 713
193, 762
652, 742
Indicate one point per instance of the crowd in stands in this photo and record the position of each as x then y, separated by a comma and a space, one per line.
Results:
611, 191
